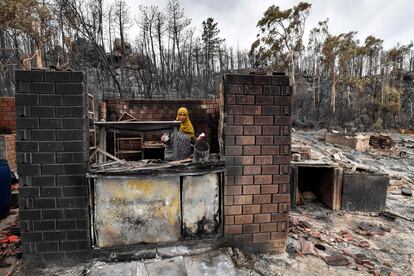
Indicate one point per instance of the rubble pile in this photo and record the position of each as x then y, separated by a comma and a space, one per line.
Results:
10, 249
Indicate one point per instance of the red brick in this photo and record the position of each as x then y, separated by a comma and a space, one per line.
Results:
234, 109
232, 210
244, 199
245, 99
228, 200
261, 218
251, 150
282, 226
244, 238
252, 130
285, 130
271, 150
251, 228
261, 237
232, 229
263, 179
232, 190
270, 169
233, 130
271, 110
253, 110
233, 150
251, 170
258, 199
282, 140
243, 160
229, 119
280, 217
243, 219
243, 120
264, 100
264, 140
251, 209
281, 198
230, 99
251, 189
270, 189
284, 169
244, 180
263, 160
283, 100
229, 180
282, 159
281, 179
268, 227
229, 220
285, 150
229, 141
253, 89
233, 88
283, 120
245, 140
283, 207
284, 188
279, 236
270, 208
263, 120
271, 130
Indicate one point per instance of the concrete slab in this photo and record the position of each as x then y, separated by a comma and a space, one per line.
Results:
212, 263
124, 269
170, 267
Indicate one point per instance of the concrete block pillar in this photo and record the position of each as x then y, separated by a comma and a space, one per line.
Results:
52, 155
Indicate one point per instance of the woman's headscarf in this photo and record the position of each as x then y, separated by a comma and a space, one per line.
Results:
187, 126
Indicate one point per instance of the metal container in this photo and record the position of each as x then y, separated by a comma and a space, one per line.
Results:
201, 151
5, 188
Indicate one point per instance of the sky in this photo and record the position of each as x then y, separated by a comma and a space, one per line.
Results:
392, 21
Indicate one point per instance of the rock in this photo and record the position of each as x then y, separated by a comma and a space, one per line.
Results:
308, 248
337, 260
308, 195
406, 192
296, 157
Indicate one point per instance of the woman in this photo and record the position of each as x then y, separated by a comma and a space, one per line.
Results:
186, 126
185, 136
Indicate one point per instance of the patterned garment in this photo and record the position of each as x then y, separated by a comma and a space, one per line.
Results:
183, 147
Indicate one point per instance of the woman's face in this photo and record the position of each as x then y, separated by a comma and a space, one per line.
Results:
182, 117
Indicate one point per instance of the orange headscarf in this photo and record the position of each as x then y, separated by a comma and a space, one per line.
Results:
187, 126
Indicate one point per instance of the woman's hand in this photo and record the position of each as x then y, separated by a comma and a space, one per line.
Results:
201, 137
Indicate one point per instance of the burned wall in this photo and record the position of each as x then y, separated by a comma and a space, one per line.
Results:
52, 155
204, 114
257, 139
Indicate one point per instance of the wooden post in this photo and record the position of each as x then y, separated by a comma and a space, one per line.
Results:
175, 144
102, 143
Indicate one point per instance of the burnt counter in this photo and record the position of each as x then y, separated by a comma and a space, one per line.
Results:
146, 202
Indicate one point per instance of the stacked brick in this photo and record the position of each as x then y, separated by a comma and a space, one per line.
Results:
8, 113
257, 138
8, 149
52, 155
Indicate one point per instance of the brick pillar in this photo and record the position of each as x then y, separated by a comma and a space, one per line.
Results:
52, 153
257, 139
